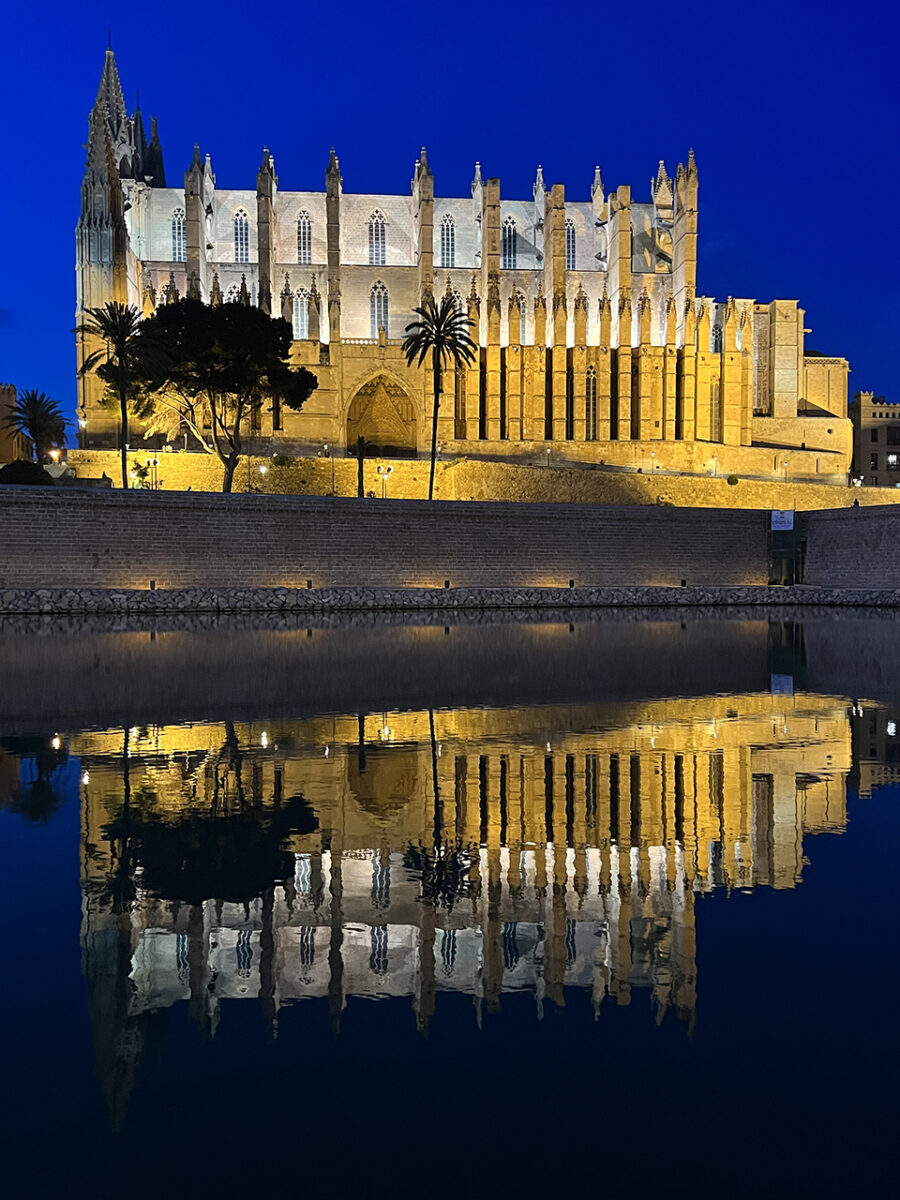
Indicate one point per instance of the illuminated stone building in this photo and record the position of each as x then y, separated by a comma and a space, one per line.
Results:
13, 444
522, 850
876, 439
594, 341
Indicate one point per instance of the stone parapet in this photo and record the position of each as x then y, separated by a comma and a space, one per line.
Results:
440, 601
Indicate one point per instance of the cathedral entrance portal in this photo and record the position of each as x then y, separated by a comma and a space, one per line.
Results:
382, 413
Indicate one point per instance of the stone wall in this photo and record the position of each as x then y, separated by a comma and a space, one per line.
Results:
854, 548
484, 479
51, 538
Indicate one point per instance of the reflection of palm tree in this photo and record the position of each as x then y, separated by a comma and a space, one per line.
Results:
41, 797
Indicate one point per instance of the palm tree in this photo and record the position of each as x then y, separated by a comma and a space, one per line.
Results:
40, 419
119, 326
443, 330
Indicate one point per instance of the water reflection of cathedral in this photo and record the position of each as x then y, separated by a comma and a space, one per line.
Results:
530, 849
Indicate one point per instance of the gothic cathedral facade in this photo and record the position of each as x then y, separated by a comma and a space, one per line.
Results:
594, 344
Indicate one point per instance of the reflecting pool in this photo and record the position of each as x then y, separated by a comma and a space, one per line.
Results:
365, 906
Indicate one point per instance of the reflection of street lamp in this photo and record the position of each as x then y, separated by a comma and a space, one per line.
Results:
384, 470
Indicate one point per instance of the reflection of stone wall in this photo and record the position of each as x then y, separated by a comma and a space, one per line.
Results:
98, 678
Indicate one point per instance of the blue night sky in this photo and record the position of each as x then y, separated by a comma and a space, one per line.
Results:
791, 109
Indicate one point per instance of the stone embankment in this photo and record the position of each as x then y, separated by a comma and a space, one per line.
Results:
22, 601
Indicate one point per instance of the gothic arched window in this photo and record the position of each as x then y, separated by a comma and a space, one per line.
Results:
570, 245
179, 247
590, 405
301, 314
233, 294
378, 309
376, 240
304, 238
241, 237
458, 303
508, 245
448, 241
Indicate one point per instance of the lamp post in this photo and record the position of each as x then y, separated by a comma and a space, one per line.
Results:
262, 470
548, 451
152, 464
384, 470
652, 461
785, 468
327, 451
715, 462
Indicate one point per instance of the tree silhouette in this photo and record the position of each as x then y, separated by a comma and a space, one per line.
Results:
441, 330
40, 419
216, 368
128, 349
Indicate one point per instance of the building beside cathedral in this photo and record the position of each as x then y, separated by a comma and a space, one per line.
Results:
594, 343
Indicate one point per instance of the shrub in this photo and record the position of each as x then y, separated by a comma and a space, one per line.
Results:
23, 473
732, 480
281, 460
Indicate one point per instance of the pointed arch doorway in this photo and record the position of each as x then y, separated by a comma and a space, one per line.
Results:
382, 413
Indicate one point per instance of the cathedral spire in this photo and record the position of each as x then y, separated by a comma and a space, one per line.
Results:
597, 185
110, 99
139, 139
538, 190
153, 162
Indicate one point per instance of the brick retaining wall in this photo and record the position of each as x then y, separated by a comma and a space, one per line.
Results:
125, 540
853, 548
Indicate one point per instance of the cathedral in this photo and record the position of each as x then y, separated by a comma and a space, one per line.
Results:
595, 346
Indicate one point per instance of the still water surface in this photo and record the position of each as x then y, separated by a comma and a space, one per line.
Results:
366, 908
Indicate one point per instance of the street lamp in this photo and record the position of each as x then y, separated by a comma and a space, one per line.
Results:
384, 470
652, 461
152, 464
715, 460
548, 456
785, 466
327, 451
262, 471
